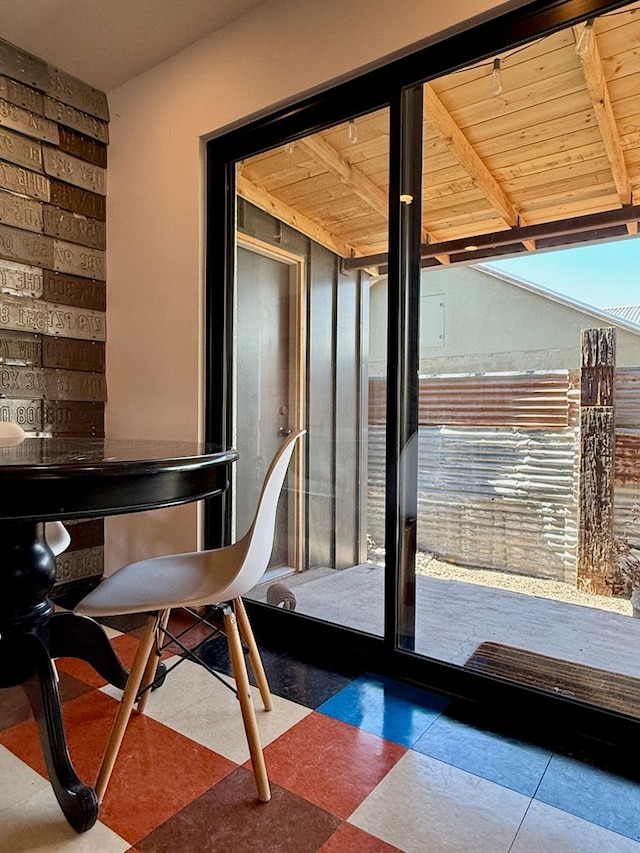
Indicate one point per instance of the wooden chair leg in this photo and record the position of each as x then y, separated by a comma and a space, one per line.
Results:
152, 665
246, 704
126, 706
254, 654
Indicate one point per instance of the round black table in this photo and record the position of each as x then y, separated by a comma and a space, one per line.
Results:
44, 479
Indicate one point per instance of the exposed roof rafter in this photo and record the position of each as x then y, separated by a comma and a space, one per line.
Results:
442, 122
270, 204
327, 156
601, 101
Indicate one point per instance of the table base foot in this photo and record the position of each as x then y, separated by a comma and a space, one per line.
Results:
77, 800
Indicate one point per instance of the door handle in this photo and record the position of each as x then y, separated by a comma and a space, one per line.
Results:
285, 431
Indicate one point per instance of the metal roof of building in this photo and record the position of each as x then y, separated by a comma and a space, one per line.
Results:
631, 313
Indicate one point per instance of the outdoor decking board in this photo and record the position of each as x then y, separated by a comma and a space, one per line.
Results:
610, 690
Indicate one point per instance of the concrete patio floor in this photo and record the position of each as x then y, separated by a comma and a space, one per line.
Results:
454, 618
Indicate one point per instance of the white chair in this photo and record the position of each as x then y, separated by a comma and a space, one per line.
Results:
193, 580
55, 532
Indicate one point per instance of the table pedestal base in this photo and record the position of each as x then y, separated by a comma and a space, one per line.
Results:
26, 659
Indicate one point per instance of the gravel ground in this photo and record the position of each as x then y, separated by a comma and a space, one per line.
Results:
427, 564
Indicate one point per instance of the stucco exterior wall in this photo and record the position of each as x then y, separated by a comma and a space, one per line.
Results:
484, 324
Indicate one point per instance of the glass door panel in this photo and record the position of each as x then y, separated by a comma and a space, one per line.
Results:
528, 524
304, 357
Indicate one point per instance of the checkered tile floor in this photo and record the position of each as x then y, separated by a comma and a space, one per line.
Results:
357, 763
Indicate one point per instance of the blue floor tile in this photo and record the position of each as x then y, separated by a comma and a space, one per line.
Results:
506, 761
395, 711
592, 794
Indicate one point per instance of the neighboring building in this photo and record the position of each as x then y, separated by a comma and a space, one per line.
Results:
499, 420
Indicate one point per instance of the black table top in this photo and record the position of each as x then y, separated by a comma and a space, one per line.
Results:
57, 478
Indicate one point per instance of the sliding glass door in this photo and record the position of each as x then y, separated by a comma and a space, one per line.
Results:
465, 498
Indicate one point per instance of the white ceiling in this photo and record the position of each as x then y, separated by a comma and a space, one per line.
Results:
107, 42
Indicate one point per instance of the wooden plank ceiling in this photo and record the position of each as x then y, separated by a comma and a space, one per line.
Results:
551, 159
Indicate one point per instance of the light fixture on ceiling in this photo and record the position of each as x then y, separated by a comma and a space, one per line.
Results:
353, 133
496, 77
584, 41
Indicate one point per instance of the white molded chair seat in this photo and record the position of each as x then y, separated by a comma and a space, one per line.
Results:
192, 580
55, 532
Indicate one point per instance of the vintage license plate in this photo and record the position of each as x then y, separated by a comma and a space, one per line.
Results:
75, 565
20, 348
21, 212
73, 354
22, 382
34, 315
23, 315
71, 322
76, 120
78, 200
77, 229
85, 534
79, 260
82, 146
25, 247
73, 290
20, 150
76, 93
27, 413
73, 417
74, 171
20, 65
21, 180
20, 279
21, 95
31, 124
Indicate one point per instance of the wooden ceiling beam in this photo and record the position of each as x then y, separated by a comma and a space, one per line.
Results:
327, 156
267, 202
589, 223
601, 102
444, 125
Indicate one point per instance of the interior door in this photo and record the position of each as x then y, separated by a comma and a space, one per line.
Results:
268, 384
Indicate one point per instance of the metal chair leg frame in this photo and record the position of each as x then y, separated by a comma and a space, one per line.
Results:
254, 654
246, 704
126, 706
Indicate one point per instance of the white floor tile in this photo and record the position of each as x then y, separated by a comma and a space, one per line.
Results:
425, 805
31, 820
18, 782
546, 829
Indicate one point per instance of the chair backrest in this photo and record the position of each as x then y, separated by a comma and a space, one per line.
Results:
258, 540
11, 433
55, 532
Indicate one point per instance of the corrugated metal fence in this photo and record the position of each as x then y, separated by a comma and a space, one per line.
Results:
498, 468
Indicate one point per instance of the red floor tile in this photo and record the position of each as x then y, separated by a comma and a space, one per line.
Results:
124, 646
157, 773
330, 763
350, 839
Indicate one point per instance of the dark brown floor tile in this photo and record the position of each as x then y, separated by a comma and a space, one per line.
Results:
229, 817
15, 707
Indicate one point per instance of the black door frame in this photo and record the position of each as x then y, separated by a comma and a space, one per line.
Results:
386, 86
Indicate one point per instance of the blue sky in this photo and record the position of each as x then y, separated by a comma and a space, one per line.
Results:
603, 275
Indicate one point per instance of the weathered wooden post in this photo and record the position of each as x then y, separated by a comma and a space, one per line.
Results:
596, 552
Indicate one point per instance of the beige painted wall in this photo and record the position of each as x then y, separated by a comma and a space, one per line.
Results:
155, 202
492, 325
